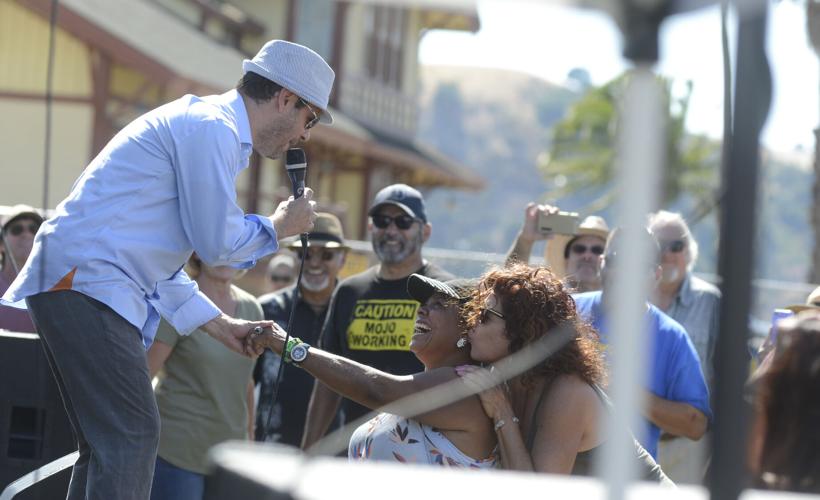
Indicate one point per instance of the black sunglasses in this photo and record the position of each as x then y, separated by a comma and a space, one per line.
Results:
325, 254
284, 278
403, 221
313, 121
17, 229
581, 249
674, 246
484, 315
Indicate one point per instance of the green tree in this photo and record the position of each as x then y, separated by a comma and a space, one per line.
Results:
582, 155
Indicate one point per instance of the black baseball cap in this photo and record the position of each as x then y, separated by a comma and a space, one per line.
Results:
403, 196
421, 288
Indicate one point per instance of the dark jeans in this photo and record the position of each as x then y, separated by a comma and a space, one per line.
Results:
98, 360
175, 483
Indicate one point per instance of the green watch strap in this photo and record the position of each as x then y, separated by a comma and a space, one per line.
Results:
292, 342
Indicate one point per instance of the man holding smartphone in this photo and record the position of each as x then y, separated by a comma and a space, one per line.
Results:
573, 257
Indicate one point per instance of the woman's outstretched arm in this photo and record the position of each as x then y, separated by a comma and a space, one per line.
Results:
374, 388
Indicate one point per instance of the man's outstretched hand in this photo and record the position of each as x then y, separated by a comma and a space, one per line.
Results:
232, 331
272, 338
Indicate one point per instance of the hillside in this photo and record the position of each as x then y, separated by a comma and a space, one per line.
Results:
495, 122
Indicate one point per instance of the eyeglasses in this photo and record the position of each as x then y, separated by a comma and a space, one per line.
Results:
281, 278
17, 229
581, 249
483, 316
674, 246
325, 254
403, 221
313, 121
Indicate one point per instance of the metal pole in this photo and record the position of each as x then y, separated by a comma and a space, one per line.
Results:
641, 146
736, 254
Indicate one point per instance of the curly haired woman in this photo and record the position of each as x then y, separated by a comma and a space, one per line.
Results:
547, 418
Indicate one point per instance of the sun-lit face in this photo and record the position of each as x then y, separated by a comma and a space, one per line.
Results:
674, 252
393, 245
437, 330
284, 127
584, 260
488, 339
322, 266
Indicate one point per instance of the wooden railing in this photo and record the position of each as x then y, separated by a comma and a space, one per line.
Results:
378, 105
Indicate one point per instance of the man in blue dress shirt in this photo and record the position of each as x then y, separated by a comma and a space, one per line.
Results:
109, 263
677, 398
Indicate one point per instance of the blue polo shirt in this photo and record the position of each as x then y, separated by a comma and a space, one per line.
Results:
674, 368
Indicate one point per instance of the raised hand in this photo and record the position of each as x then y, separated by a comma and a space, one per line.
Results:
529, 230
295, 216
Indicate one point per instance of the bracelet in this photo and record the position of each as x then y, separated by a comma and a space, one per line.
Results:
292, 342
500, 423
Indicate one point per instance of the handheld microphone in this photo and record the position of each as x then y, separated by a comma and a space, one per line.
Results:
296, 164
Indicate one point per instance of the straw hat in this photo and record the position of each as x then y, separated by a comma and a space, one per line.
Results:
327, 233
555, 249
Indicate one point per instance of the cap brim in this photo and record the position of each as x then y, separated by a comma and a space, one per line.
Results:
31, 215
402, 206
247, 65
421, 288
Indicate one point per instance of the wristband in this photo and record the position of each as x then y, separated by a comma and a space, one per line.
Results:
292, 342
500, 423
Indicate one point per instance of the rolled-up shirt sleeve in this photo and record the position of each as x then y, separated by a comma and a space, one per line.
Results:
180, 302
208, 160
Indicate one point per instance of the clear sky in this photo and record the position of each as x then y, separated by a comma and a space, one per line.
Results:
548, 40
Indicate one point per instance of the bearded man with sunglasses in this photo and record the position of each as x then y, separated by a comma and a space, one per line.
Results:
372, 316
695, 304
19, 226
109, 263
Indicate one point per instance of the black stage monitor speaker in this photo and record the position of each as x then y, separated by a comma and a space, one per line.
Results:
34, 428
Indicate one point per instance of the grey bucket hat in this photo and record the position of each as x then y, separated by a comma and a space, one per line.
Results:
298, 69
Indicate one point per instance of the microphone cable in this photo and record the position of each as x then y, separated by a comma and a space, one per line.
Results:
296, 291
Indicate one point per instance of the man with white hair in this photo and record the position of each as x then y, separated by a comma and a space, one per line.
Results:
694, 303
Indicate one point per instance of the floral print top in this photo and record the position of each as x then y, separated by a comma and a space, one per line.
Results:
392, 438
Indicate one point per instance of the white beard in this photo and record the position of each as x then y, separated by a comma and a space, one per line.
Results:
312, 286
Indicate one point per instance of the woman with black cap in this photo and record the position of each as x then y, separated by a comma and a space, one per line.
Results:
456, 435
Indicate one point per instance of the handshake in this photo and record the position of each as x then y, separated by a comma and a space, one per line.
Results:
259, 338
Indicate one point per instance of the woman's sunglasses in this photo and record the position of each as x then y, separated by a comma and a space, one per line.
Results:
485, 313
403, 222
